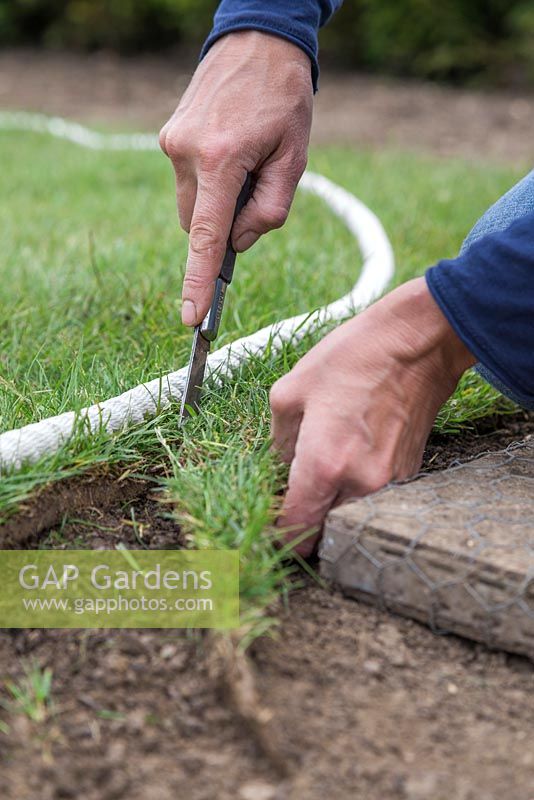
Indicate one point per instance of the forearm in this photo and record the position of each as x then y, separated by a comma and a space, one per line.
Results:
297, 21
487, 295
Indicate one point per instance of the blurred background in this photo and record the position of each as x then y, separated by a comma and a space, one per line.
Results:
388, 65
474, 41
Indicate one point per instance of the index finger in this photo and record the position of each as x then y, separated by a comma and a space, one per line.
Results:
211, 224
312, 489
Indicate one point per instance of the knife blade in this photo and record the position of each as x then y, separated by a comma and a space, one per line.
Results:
207, 331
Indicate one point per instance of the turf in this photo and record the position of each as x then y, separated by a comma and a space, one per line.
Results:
90, 274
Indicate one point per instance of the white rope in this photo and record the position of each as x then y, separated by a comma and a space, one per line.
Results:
31, 442
64, 129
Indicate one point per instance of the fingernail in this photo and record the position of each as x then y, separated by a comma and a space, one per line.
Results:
189, 312
245, 241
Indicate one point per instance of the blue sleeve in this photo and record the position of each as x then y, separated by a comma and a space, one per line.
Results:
487, 295
296, 20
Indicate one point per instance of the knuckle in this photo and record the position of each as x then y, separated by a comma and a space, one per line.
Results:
274, 216
163, 139
329, 470
177, 144
204, 239
376, 477
281, 398
194, 281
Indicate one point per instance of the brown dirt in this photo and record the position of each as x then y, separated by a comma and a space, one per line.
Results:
369, 706
487, 434
350, 109
355, 703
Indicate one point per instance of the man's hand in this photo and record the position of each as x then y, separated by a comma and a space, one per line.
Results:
356, 411
247, 109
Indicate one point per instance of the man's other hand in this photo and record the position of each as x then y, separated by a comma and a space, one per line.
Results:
356, 411
248, 108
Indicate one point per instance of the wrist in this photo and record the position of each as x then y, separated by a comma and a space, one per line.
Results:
259, 45
419, 331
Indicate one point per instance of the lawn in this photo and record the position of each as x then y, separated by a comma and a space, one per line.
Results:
90, 275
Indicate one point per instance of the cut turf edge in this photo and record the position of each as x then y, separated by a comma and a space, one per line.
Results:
50, 503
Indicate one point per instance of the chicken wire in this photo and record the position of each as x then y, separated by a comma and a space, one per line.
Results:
453, 549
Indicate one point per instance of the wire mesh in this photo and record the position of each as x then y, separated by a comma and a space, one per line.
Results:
453, 549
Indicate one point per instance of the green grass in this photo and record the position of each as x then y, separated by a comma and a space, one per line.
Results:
31, 695
90, 276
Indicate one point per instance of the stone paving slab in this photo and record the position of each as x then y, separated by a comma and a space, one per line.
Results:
453, 549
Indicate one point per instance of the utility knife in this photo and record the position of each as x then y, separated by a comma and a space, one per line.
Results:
207, 331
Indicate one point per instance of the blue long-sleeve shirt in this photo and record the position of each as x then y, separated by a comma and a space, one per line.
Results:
487, 293
295, 20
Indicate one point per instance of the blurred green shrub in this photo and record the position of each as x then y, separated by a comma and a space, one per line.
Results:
455, 40
122, 25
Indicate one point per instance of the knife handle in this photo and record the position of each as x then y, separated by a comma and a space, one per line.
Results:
227, 268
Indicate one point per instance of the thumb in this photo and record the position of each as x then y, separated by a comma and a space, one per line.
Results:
270, 202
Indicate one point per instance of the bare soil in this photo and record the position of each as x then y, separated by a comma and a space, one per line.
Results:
367, 706
350, 108
358, 703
